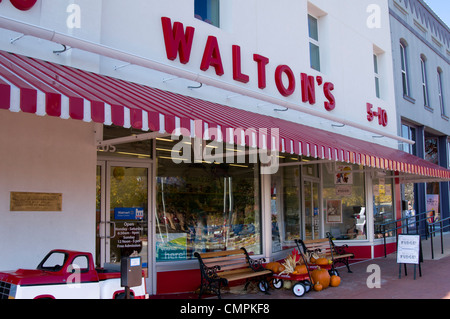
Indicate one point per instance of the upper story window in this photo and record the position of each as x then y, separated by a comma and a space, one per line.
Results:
208, 11
377, 76
441, 92
423, 66
409, 132
404, 66
314, 48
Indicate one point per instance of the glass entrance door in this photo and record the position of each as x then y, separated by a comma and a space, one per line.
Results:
122, 212
311, 210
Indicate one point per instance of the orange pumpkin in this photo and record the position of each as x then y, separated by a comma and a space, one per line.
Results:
270, 265
335, 281
321, 276
318, 287
279, 269
301, 269
274, 265
312, 260
322, 261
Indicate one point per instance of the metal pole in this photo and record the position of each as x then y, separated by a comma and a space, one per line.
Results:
432, 249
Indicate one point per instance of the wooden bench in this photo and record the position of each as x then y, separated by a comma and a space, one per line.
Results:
220, 268
326, 248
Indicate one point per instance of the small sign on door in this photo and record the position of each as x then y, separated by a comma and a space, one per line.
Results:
129, 213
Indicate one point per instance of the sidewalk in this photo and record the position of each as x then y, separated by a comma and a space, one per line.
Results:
433, 284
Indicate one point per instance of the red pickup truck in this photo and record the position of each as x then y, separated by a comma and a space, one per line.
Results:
66, 274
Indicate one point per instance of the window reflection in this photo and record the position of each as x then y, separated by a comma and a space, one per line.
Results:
344, 201
205, 206
285, 208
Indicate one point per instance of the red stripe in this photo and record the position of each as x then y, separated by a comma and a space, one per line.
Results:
5, 95
53, 98
136, 118
117, 116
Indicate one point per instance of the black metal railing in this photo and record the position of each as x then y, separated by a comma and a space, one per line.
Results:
430, 230
442, 223
405, 224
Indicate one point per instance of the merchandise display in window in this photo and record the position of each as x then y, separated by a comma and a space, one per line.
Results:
205, 206
344, 201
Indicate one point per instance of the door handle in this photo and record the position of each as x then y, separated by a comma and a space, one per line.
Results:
104, 235
114, 230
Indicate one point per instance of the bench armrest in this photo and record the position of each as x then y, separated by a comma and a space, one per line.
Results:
208, 273
255, 264
339, 250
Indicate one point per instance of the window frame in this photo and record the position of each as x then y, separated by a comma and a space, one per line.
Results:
411, 135
377, 76
441, 92
423, 67
404, 68
314, 43
211, 9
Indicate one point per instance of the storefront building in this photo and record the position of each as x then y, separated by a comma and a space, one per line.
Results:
163, 128
421, 52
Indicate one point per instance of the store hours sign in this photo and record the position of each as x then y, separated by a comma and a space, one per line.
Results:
408, 249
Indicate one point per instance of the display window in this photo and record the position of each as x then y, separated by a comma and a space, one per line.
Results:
205, 205
285, 206
344, 203
383, 206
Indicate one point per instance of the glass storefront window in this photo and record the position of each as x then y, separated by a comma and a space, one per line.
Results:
205, 206
383, 206
285, 207
139, 149
344, 201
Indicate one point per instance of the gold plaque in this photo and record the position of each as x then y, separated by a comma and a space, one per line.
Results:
35, 202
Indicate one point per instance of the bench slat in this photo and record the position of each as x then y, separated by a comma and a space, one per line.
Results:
223, 259
234, 266
221, 253
344, 256
229, 263
235, 271
234, 277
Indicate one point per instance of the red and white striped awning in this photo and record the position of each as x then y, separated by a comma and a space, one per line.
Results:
34, 86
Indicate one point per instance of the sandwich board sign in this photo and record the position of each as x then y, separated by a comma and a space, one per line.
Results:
409, 251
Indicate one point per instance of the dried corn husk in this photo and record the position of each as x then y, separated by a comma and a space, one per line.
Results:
289, 265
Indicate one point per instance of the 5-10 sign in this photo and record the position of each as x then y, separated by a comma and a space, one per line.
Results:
380, 113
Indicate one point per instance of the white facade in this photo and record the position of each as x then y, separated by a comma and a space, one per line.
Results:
54, 155
349, 35
35, 159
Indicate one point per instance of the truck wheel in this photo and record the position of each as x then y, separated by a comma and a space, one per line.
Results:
122, 295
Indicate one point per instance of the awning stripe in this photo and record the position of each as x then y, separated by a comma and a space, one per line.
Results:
44, 88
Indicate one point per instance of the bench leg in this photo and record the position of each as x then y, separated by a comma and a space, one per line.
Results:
342, 261
212, 287
348, 265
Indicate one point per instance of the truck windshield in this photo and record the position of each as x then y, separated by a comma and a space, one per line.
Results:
53, 261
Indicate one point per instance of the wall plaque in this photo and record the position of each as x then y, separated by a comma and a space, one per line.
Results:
35, 202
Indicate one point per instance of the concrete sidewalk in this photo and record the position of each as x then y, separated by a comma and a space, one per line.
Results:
433, 284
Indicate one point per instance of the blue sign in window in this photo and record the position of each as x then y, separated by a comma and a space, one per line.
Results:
127, 213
